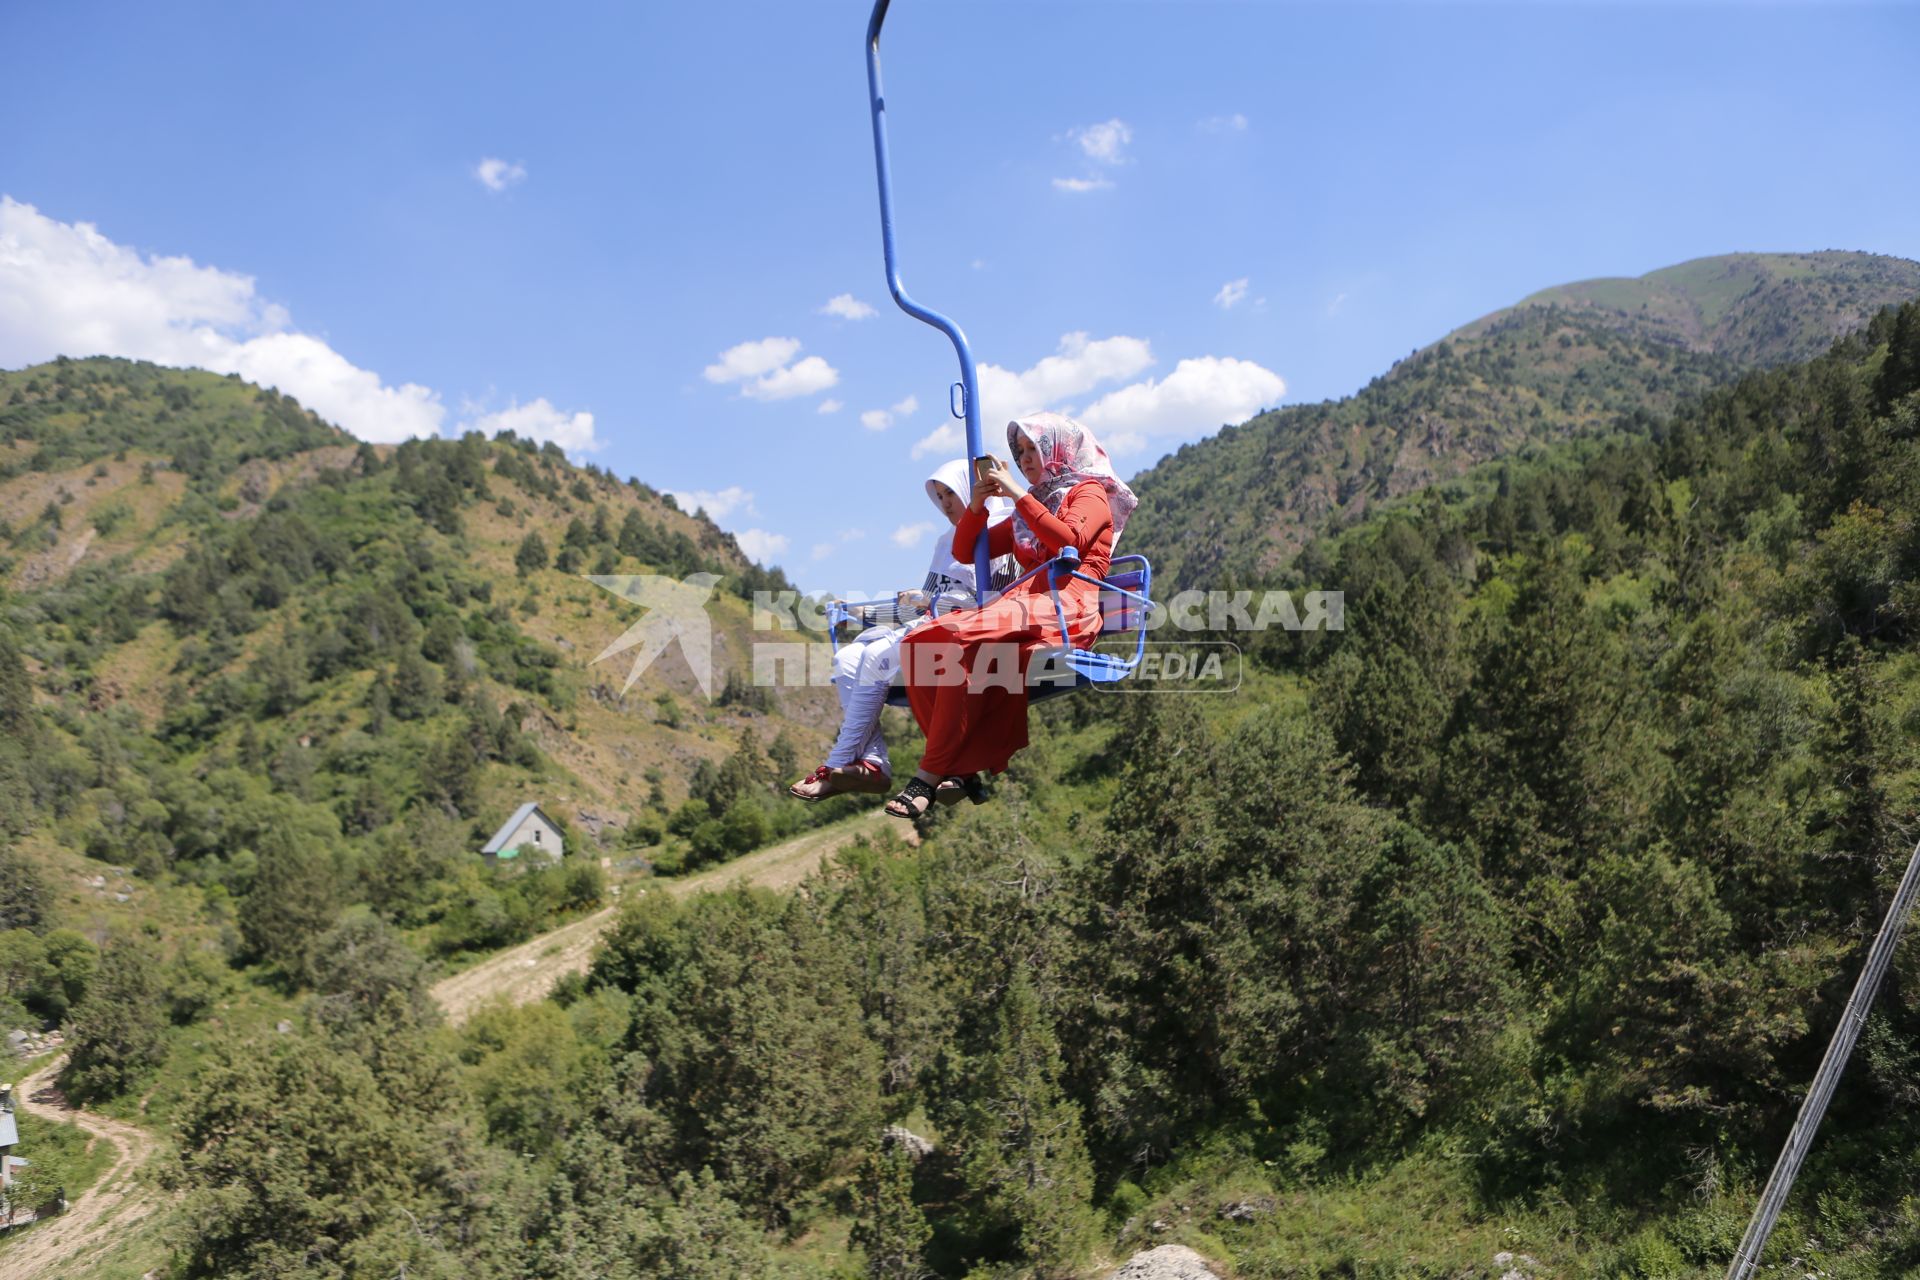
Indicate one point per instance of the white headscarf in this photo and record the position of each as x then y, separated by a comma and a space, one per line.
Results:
956, 475
1069, 455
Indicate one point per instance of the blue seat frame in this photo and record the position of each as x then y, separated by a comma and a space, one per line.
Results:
1126, 599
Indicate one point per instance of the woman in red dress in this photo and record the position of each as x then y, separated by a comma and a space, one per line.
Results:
966, 672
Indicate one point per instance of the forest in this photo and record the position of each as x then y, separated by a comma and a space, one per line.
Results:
1514, 917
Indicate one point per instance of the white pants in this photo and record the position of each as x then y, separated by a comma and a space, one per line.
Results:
862, 670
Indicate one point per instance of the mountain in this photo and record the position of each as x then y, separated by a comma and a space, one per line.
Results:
1514, 916
268, 625
1569, 360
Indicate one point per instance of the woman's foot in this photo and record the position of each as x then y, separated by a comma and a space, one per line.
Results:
815, 786
863, 777
954, 790
914, 799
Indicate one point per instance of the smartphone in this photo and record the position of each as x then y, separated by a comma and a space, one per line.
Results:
982, 465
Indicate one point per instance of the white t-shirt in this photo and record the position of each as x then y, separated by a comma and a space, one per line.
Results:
950, 581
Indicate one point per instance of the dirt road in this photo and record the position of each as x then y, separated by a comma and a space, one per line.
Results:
527, 972
102, 1213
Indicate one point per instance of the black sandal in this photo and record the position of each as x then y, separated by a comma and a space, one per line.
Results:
953, 790
904, 806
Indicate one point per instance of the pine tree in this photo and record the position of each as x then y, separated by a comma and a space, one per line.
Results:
295, 898
24, 900
16, 691
1900, 373
1024, 1155
703, 1235
532, 555
891, 1228
16, 739
415, 687
115, 1034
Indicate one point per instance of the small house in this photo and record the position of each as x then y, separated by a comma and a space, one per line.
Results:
9, 1139
528, 831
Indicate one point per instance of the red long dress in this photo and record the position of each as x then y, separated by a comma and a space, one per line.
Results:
979, 722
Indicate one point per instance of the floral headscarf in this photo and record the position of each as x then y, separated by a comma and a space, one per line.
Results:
1069, 455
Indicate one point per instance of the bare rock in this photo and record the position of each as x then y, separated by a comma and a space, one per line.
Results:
1168, 1262
1247, 1210
916, 1147
1516, 1266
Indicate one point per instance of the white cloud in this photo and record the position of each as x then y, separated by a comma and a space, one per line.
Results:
1104, 143
848, 307
1230, 293
539, 420
821, 550
1198, 396
1235, 123
946, 438
831, 406
65, 289
1078, 185
804, 379
913, 535
766, 370
1079, 365
718, 504
760, 546
881, 419
752, 359
497, 175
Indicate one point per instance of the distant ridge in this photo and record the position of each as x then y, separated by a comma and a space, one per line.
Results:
1754, 308
1574, 358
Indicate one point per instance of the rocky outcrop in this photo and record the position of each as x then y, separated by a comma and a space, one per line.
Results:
898, 1136
1168, 1262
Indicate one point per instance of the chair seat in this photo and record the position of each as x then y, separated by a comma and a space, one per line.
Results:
1118, 613
1089, 667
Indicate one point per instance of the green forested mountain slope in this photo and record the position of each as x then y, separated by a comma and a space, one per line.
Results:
257, 649
1499, 932
1565, 361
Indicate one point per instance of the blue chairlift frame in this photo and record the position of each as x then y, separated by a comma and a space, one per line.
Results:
1088, 666
1126, 597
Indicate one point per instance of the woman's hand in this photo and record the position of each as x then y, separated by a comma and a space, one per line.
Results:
997, 482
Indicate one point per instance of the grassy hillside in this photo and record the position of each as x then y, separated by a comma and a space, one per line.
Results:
1567, 361
241, 636
166, 533
1757, 309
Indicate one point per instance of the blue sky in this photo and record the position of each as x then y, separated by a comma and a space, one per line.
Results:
1185, 210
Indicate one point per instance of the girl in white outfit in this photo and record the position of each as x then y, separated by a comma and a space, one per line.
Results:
865, 665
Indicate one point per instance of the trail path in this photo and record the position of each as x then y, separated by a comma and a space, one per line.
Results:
527, 972
104, 1211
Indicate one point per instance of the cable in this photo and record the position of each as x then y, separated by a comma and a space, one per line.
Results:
1800, 1140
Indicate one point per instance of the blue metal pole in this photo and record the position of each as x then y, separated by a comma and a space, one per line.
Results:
969, 380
